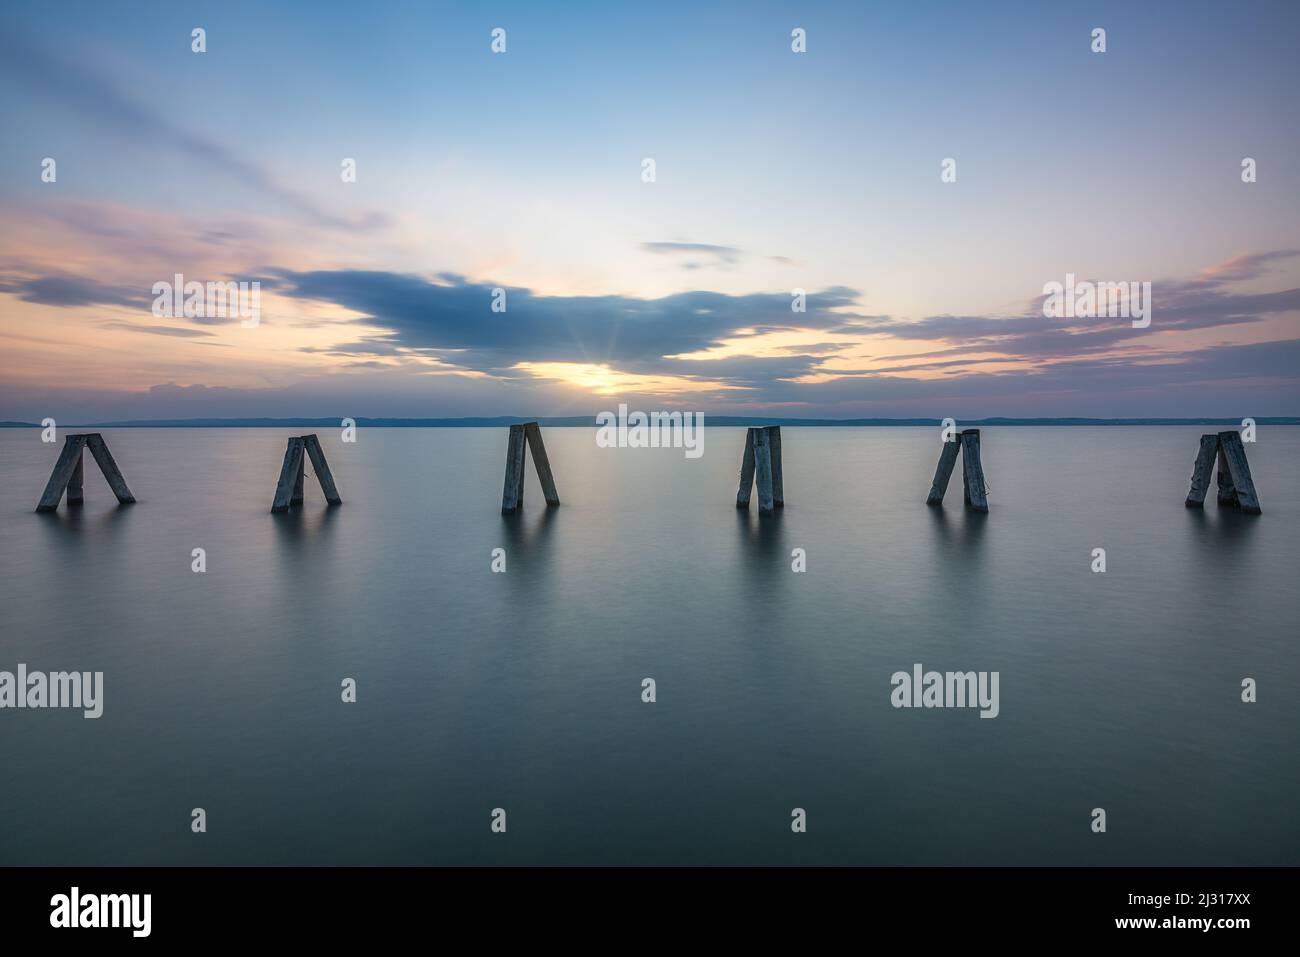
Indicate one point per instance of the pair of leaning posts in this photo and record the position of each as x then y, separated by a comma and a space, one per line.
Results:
759, 467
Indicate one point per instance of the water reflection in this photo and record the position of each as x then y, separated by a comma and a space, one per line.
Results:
305, 527
762, 540
960, 534
1227, 526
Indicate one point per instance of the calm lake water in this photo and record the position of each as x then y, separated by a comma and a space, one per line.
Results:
523, 690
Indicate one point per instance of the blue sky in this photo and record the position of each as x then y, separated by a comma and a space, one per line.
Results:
775, 171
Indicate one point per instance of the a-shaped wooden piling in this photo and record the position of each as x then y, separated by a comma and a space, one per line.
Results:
974, 491
1225, 454
527, 435
289, 489
69, 472
760, 465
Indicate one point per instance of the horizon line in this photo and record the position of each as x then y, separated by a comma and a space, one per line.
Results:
578, 421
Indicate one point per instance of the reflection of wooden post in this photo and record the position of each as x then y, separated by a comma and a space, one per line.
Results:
513, 494
763, 470
746, 471
69, 472
1201, 471
942, 474
973, 470
533, 433
1233, 451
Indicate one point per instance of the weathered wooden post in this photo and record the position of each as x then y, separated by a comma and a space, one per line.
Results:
1227, 491
760, 465
104, 459
778, 480
746, 471
533, 432
1201, 471
526, 435
973, 470
289, 489
763, 471
69, 472
1233, 453
1236, 486
322, 469
76, 490
942, 474
974, 492
296, 497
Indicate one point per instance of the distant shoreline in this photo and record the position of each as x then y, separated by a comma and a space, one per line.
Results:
580, 421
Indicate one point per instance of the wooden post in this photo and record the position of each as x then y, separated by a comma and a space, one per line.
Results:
69, 459
1201, 471
1227, 491
973, 470
778, 483
763, 471
1234, 451
104, 458
942, 474
746, 471
288, 474
311, 445
76, 491
513, 494
296, 497
533, 432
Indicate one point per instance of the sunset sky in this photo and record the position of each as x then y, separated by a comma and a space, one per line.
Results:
523, 170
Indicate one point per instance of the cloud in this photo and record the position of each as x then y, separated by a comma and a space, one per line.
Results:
98, 98
183, 332
70, 291
412, 325
453, 318
697, 254
1246, 265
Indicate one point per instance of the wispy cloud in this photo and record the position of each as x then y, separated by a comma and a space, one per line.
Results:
98, 98
695, 255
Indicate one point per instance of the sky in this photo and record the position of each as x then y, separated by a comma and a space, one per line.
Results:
524, 171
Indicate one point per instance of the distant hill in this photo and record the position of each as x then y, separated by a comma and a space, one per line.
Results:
580, 421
